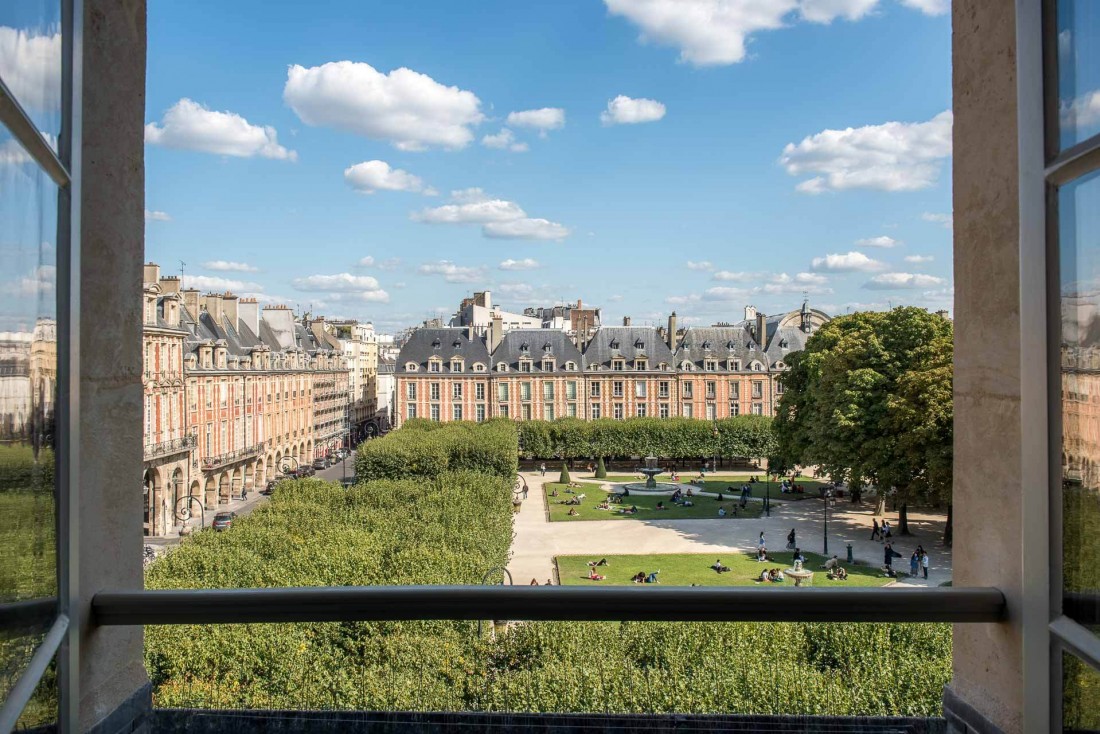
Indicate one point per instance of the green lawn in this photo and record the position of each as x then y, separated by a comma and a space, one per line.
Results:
704, 508
685, 569
719, 482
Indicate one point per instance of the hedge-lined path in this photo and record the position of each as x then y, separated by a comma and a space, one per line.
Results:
537, 540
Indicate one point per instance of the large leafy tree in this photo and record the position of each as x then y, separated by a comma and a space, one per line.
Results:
869, 401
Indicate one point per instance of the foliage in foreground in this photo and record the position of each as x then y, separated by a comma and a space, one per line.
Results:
426, 449
451, 530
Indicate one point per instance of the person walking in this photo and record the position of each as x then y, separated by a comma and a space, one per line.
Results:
924, 563
914, 563
875, 532
760, 543
790, 539
542, 468
886, 535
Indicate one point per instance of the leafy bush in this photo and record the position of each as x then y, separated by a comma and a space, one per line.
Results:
424, 449
564, 478
601, 469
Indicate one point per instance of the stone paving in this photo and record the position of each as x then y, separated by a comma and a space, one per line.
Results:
537, 540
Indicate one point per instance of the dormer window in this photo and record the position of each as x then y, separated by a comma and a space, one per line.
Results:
547, 365
436, 343
525, 365
707, 345
710, 365
641, 364
479, 367
730, 345
735, 365
614, 344
686, 365
570, 366
435, 365
525, 347
783, 344
639, 344
411, 367
456, 365
618, 364
546, 348
457, 343
756, 366
502, 366
663, 366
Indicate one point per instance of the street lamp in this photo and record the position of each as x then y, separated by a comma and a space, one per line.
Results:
768, 496
825, 497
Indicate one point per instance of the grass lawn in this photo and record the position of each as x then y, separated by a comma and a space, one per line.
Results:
685, 569
704, 508
720, 482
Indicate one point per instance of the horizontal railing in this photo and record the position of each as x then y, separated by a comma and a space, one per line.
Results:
173, 446
678, 604
212, 462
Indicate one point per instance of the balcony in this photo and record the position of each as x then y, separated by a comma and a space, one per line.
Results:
182, 445
213, 462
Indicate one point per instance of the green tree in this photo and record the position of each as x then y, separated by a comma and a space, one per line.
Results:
564, 477
601, 469
869, 401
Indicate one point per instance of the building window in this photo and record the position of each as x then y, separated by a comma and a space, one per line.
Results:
525, 365
641, 364
687, 410
594, 389
712, 389
710, 365
456, 365
778, 387
640, 410
571, 410
735, 390
479, 391
410, 411
526, 412
757, 409
435, 366
525, 391
617, 411
435, 413
662, 410
548, 412
547, 391
662, 389
502, 366
712, 411
570, 366
687, 388
571, 390
435, 391
758, 388
618, 364
479, 412
735, 408
456, 390
547, 365
502, 411
640, 389
617, 389
594, 412
458, 412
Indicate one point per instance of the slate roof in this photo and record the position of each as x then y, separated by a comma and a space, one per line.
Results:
719, 342
538, 343
628, 343
445, 343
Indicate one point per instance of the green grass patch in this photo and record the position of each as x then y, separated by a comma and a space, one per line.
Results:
704, 507
720, 482
685, 569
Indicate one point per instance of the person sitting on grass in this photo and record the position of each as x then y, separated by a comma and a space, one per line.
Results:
798, 556
764, 576
639, 578
831, 564
676, 495
762, 555
661, 506
719, 568
626, 492
721, 512
837, 574
652, 578
689, 493
687, 503
593, 576
777, 575
605, 505
632, 510
573, 512
721, 497
554, 493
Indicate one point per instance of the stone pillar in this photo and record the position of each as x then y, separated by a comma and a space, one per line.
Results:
113, 684
986, 690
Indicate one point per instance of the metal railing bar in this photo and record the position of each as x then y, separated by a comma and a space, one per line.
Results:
28, 614
1081, 641
680, 604
26, 132
1081, 605
1074, 162
22, 691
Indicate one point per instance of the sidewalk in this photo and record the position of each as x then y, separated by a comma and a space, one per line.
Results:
241, 507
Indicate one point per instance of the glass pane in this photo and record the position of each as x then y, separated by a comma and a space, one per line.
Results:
30, 60
1079, 226
28, 375
1080, 696
16, 649
1078, 70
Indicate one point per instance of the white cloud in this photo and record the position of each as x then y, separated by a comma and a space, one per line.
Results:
736, 276
850, 263
626, 111
894, 156
1082, 112
370, 176
826, 11
229, 266
366, 262
683, 300
615, 298
216, 283
725, 293
13, 154
505, 139
410, 110
707, 32
340, 282
453, 273
929, 7
809, 278
892, 281
945, 219
526, 263
40, 281
918, 259
517, 291
699, 265
30, 66
499, 218
882, 241
152, 216
188, 125
543, 119
392, 263
782, 283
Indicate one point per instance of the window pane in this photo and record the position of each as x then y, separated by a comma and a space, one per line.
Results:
1080, 696
1079, 226
1078, 70
30, 61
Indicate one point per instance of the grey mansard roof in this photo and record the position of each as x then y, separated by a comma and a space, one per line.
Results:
538, 343
719, 342
444, 343
627, 343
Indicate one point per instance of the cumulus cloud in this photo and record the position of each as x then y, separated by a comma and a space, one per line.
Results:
229, 266
453, 273
782, 284
699, 265
894, 156
1082, 112
882, 241
188, 125
504, 140
945, 219
526, 263
392, 263
370, 176
362, 287
918, 259
40, 281
826, 11
410, 110
366, 262
543, 119
217, 283
850, 263
499, 218
30, 65
152, 216
725, 293
624, 110
736, 276
683, 300
896, 281
929, 7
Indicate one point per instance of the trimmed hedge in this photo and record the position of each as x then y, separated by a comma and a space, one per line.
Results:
666, 438
424, 449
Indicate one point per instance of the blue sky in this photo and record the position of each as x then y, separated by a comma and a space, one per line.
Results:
612, 211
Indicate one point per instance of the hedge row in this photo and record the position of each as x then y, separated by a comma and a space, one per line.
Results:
746, 436
425, 449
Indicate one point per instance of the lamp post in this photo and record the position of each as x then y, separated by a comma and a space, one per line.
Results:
768, 496
825, 497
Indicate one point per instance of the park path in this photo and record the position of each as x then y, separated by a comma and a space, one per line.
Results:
537, 540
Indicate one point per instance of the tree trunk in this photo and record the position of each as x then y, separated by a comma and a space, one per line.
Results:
880, 504
948, 529
903, 519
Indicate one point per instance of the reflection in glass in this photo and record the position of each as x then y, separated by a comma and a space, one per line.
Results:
1078, 70
1080, 696
30, 60
1079, 230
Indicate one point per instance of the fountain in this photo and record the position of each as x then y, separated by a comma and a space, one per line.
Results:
651, 470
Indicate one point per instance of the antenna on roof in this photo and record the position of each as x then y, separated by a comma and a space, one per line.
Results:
182, 266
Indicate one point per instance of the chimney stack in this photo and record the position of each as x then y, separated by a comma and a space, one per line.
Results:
761, 330
626, 321
496, 332
249, 313
191, 302
214, 307
152, 273
672, 331
229, 308
750, 313
169, 284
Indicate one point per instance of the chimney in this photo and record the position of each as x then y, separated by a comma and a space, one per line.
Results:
152, 273
170, 284
191, 302
672, 331
750, 313
579, 304
942, 313
496, 332
214, 307
248, 309
626, 321
229, 308
761, 330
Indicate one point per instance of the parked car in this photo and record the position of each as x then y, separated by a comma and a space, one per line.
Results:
319, 463
270, 488
223, 521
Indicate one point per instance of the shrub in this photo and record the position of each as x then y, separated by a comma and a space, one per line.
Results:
601, 469
425, 450
564, 477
